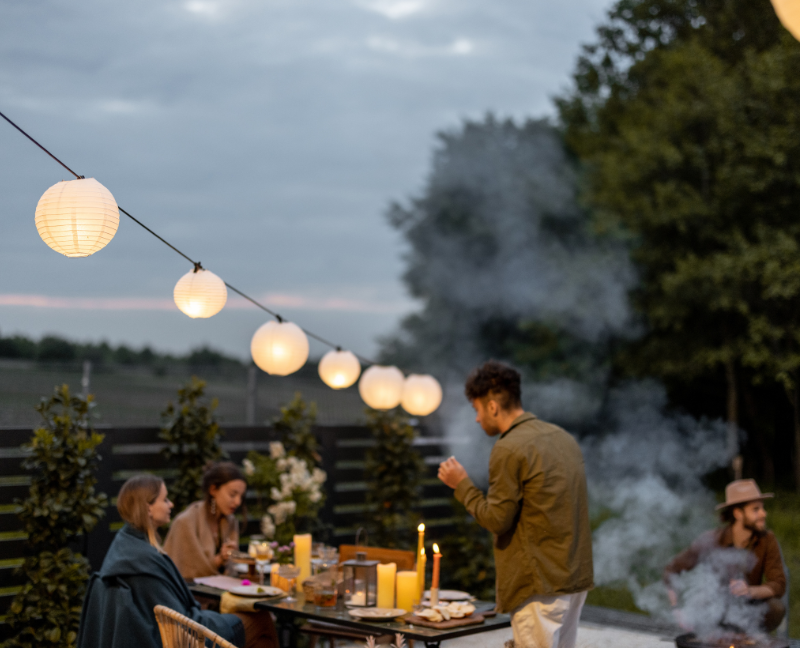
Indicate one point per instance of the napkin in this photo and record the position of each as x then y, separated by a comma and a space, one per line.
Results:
220, 582
230, 603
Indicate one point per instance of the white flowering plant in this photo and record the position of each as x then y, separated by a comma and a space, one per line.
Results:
290, 493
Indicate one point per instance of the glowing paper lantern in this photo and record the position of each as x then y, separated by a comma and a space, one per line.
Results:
279, 348
77, 217
200, 293
789, 14
421, 395
339, 369
381, 387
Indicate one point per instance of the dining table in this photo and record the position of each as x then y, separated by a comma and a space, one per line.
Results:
286, 612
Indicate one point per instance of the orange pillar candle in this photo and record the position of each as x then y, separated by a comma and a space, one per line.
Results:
420, 563
436, 558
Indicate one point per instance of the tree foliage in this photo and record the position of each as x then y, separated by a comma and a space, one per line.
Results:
62, 505
192, 437
295, 424
393, 471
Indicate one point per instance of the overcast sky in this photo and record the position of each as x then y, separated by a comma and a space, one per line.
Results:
263, 137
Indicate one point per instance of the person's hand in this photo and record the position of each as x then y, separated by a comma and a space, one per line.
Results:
673, 597
739, 588
451, 472
225, 552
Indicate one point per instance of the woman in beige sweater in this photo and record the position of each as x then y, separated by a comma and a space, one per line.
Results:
202, 537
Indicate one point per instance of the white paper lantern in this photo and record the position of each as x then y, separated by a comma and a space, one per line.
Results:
422, 394
381, 387
789, 14
200, 293
339, 369
279, 348
77, 217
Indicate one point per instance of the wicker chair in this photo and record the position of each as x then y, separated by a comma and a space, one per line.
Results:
178, 631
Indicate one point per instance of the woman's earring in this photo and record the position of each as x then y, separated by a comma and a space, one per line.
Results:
213, 506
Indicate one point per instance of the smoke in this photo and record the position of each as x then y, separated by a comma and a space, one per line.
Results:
508, 267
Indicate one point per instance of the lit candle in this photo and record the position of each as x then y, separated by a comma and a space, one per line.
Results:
407, 591
386, 578
421, 562
421, 575
302, 556
436, 558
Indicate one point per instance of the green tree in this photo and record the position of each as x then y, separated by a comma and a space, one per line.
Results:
192, 435
62, 505
682, 114
393, 471
295, 424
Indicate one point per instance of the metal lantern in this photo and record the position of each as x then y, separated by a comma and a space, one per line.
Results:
789, 14
77, 217
360, 581
279, 348
200, 293
381, 387
339, 369
421, 395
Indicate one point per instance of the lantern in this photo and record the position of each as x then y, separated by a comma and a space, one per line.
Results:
421, 395
200, 293
360, 581
77, 217
339, 369
789, 14
279, 348
381, 387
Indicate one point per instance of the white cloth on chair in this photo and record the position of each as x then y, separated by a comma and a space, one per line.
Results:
548, 621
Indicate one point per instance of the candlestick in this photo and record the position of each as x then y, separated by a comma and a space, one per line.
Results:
406, 590
302, 556
386, 585
437, 557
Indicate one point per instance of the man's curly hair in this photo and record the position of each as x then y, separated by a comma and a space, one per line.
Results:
497, 380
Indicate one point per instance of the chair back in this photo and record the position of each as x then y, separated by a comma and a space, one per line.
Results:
405, 560
179, 631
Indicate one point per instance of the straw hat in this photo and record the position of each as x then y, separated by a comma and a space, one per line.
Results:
742, 491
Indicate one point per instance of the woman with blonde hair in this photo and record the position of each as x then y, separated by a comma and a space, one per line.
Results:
137, 575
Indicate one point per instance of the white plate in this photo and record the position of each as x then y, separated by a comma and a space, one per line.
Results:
253, 590
375, 614
450, 595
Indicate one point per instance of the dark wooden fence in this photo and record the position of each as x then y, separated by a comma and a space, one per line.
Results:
127, 451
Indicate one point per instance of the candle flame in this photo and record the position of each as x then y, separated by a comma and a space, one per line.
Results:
435, 548
421, 528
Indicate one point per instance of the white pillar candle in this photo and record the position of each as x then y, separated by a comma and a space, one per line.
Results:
386, 578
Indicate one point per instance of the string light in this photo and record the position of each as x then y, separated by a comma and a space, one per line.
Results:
339, 369
77, 217
279, 348
422, 395
381, 387
789, 14
200, 293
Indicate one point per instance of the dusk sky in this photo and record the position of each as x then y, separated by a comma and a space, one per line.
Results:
265, 139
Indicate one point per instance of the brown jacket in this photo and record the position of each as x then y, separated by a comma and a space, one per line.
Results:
768, 568
191, 543
537, 509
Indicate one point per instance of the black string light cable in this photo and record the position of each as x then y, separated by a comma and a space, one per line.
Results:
196, 264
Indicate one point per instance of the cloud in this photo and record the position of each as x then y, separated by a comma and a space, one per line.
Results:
272, 300
394, 9
410, 49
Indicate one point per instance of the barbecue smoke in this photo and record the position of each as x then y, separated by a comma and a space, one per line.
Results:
498, 236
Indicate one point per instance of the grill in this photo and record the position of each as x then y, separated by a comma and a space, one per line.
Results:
730, 640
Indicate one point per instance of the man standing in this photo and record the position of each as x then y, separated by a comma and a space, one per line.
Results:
536, 508
745, 527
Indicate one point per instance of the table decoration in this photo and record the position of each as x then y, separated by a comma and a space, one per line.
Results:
407, 591
386, 585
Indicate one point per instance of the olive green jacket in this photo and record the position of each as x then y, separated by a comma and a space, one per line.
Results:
538, 511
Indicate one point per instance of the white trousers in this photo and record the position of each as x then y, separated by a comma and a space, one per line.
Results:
547, 621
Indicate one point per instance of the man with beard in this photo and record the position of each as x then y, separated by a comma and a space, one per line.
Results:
745, 527
537, 509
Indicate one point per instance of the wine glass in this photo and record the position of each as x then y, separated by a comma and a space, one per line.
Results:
290, 573
263, 554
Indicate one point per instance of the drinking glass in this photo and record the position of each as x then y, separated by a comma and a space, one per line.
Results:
260, 550
290, 573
